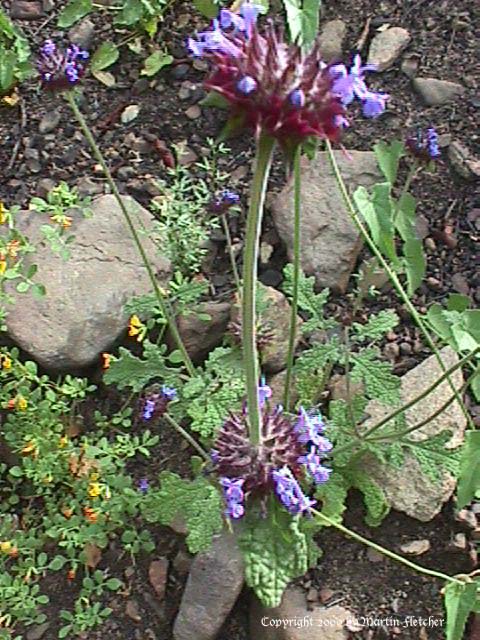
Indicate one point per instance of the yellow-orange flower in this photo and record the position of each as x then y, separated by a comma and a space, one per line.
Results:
3, 266
5, 547
136, 328
22, 403
13, 248
13, 553
11, 403
71, 574
30, 448
6, 362
67, 512
3, 213
94, 489
62, 443
90, 514
107, 358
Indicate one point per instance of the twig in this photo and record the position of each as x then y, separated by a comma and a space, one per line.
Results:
23, 124
364, 35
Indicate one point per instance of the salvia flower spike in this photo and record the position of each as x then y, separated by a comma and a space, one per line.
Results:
285, 454
276, 88
61, 69
155, 402
424, 145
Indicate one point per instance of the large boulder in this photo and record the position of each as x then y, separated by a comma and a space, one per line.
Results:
330, 240
82, 314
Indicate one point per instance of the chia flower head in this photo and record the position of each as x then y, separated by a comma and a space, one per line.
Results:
290, 493
271, 86
222, 202
233, 495
155, 402
143, 485
60, 70
424, 145
350, 84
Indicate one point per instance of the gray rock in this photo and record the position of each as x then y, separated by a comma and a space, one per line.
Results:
276, 319
407, 488
38, 631
215, 581
463, 162
88, 188
199, 335
26, 10
331, 40
434, 92
330, 241
49, 122
82, 33
277, 385
44, 186
82, 314
292, 620
386, 46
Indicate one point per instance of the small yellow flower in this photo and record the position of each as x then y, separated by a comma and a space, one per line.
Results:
13, 248
62, 443
22, 404
5, 547
67, 222
136, 328
94, 489
47, 479
30, 449
3, 266
3, 213
94, 476
6, 362
107, 358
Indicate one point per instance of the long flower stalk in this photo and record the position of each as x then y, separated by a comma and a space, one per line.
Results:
265, 146
297, 196
161, 302
383, 551
392, 275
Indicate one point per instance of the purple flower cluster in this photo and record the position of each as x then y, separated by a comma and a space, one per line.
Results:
222, 202
350, 84
234, 497
424, 146
143, 485
290, 448
155, 402
58, 69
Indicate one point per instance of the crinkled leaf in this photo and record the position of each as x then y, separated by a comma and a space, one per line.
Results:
73, 11
155, 62
275, 551
377, 326
129, 371
433, 457
380, 383
469, 478
333, 495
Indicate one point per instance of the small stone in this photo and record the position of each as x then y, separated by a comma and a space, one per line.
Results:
199, 335
430, 245
391, 351
44, 186
405, 348
434, 283
415, 547
331, 40
374, 556
460, 541
193, 112
88, 188
182, 562
49, 122
463, 162
460, 284
435, 92
200, 65
179, 71
271, 277
38, 631
140, 86
82, 33
386, 46
467, 517
126, 172
187, 157
132, 610
157, 574
26, 10
409, 66
325, 594
312, 595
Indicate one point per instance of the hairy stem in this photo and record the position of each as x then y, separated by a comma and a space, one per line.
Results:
392, 275
383, 551
191, 441
265, 146
297, 196
161, 302
228, 237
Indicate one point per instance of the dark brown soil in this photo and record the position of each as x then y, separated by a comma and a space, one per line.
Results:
444, 35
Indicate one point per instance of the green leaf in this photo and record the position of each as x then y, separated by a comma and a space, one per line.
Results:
302, 20
459, 600
377, 212
39, 291
377, 326
415, 264
131, 13
333, 496
23, 287
380, 383
275, 551
215, 100
388, 157
7, 69
197, 502
155, 62
16, 472
469, 478
57, 563
373, 497
458, 302
129, 371
113, 584
106, 55
74, 10
404, 218
208, 8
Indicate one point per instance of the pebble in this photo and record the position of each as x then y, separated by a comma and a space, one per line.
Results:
38, 631
460, 541
415, 547
409, 66
460, 284
87, 187
405, 348
140, 86
187, 157
463, 162
157, 575
386, 46
391, 351
434, 92
49, 122
374, 556
44, 186
26, 10
434, 283
331, 40
182, 562
325, 594
82, 33
179, 71
193, 112
271, 277
132, 610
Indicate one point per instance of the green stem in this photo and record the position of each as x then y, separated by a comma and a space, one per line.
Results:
191, 441
383, 551
392, 275
297, 196
161, 302
265, 146
228, 237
